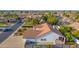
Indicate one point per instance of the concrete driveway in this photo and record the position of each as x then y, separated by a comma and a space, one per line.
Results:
13, 42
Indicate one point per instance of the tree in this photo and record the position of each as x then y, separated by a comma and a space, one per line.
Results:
77, 18
31, 21
52, 20
35, 21
65, 30
68, 37
45, 18
62, 29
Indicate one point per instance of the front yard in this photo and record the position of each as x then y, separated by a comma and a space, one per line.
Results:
2, 24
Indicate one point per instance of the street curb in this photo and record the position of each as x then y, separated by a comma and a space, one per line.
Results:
12, 34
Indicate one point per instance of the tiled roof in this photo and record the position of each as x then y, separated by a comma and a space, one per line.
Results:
37, 31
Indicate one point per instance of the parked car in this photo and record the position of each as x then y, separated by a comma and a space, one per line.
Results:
7, 30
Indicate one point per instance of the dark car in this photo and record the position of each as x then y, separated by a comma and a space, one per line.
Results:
7, 30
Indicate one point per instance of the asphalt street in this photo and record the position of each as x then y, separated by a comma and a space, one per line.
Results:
5, 35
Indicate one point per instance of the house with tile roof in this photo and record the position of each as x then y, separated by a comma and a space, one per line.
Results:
65, 20
42, 34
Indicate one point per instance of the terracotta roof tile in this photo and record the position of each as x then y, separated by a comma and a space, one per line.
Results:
37, 31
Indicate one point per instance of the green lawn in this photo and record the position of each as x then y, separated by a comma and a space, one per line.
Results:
2, 24
13, 22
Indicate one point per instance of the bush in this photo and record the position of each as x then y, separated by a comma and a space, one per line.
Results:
68, 37
31, 22
76, 34
70, 43
65, 31
52, 20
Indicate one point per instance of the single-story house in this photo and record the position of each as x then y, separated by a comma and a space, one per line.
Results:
3, 20
12, 20
42, 34
65, 20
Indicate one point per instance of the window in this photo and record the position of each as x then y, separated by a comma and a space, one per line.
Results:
61, 38
43, 39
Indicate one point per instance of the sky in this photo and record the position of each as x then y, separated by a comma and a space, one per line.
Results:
38, 4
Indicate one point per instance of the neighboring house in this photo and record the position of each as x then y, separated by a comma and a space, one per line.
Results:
12, 20
3, 20
4, 23
64, 21
42, 34
21, 19
75, 25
